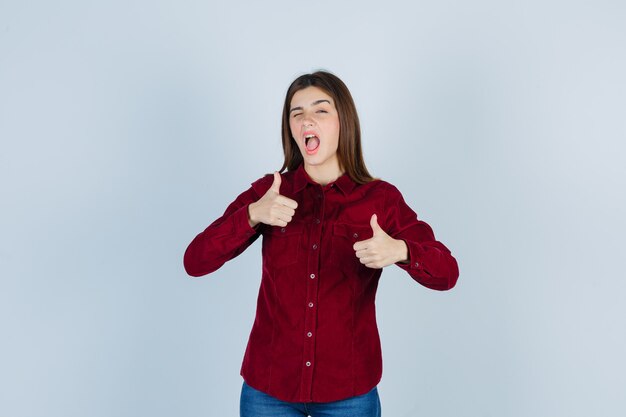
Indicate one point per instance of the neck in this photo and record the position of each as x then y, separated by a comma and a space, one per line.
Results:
323, 175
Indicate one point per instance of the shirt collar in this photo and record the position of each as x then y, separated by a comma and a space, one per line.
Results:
301, 178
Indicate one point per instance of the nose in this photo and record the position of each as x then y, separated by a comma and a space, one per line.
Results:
306, 120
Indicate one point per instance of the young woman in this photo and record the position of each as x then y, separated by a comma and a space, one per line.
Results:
328, 229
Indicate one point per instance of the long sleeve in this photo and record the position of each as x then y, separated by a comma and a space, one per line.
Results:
314, 336
430, 261
224, 239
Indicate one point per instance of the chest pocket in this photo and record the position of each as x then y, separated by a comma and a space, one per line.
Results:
345, 235
282, 246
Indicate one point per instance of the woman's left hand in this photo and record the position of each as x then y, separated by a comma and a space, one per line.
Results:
381, 249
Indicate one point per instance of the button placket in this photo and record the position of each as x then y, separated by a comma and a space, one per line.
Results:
312, 279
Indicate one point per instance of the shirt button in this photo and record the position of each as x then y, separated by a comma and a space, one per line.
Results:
317, 221
314, 246
356, 235
416, 264
312, 276
282, 230
309, 334
311, 305
308, 363
319, 195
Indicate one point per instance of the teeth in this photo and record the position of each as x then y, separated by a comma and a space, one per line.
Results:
309, 136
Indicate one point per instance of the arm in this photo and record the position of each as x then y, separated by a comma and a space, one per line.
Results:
224, 239
429, 262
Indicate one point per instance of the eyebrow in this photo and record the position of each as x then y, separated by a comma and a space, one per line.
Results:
316, 102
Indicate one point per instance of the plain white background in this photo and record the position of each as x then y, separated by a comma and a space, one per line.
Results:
126, 127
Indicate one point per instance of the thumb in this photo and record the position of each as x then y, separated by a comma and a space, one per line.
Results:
374, 224
276, 184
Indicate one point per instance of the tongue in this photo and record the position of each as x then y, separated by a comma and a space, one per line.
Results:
313, 143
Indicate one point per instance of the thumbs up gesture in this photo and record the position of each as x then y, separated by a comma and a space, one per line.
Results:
381, 249
272, 209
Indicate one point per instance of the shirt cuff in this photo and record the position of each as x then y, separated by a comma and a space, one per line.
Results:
414, 256
241, 226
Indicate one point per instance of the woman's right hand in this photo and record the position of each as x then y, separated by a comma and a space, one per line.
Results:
272, 209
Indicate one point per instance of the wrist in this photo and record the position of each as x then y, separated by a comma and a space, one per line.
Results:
251, 220
403, 252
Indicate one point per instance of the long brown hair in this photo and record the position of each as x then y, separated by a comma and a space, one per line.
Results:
349, 152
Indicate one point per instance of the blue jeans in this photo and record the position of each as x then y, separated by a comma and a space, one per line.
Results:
255, 403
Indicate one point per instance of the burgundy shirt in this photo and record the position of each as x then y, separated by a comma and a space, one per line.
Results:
315, 336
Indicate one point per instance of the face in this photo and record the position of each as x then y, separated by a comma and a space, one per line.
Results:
314, 124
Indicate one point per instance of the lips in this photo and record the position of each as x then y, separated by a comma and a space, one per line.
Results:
311, 141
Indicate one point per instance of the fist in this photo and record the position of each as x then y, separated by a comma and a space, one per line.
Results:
381, 249
272, 209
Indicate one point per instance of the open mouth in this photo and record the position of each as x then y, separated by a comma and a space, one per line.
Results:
312, 143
